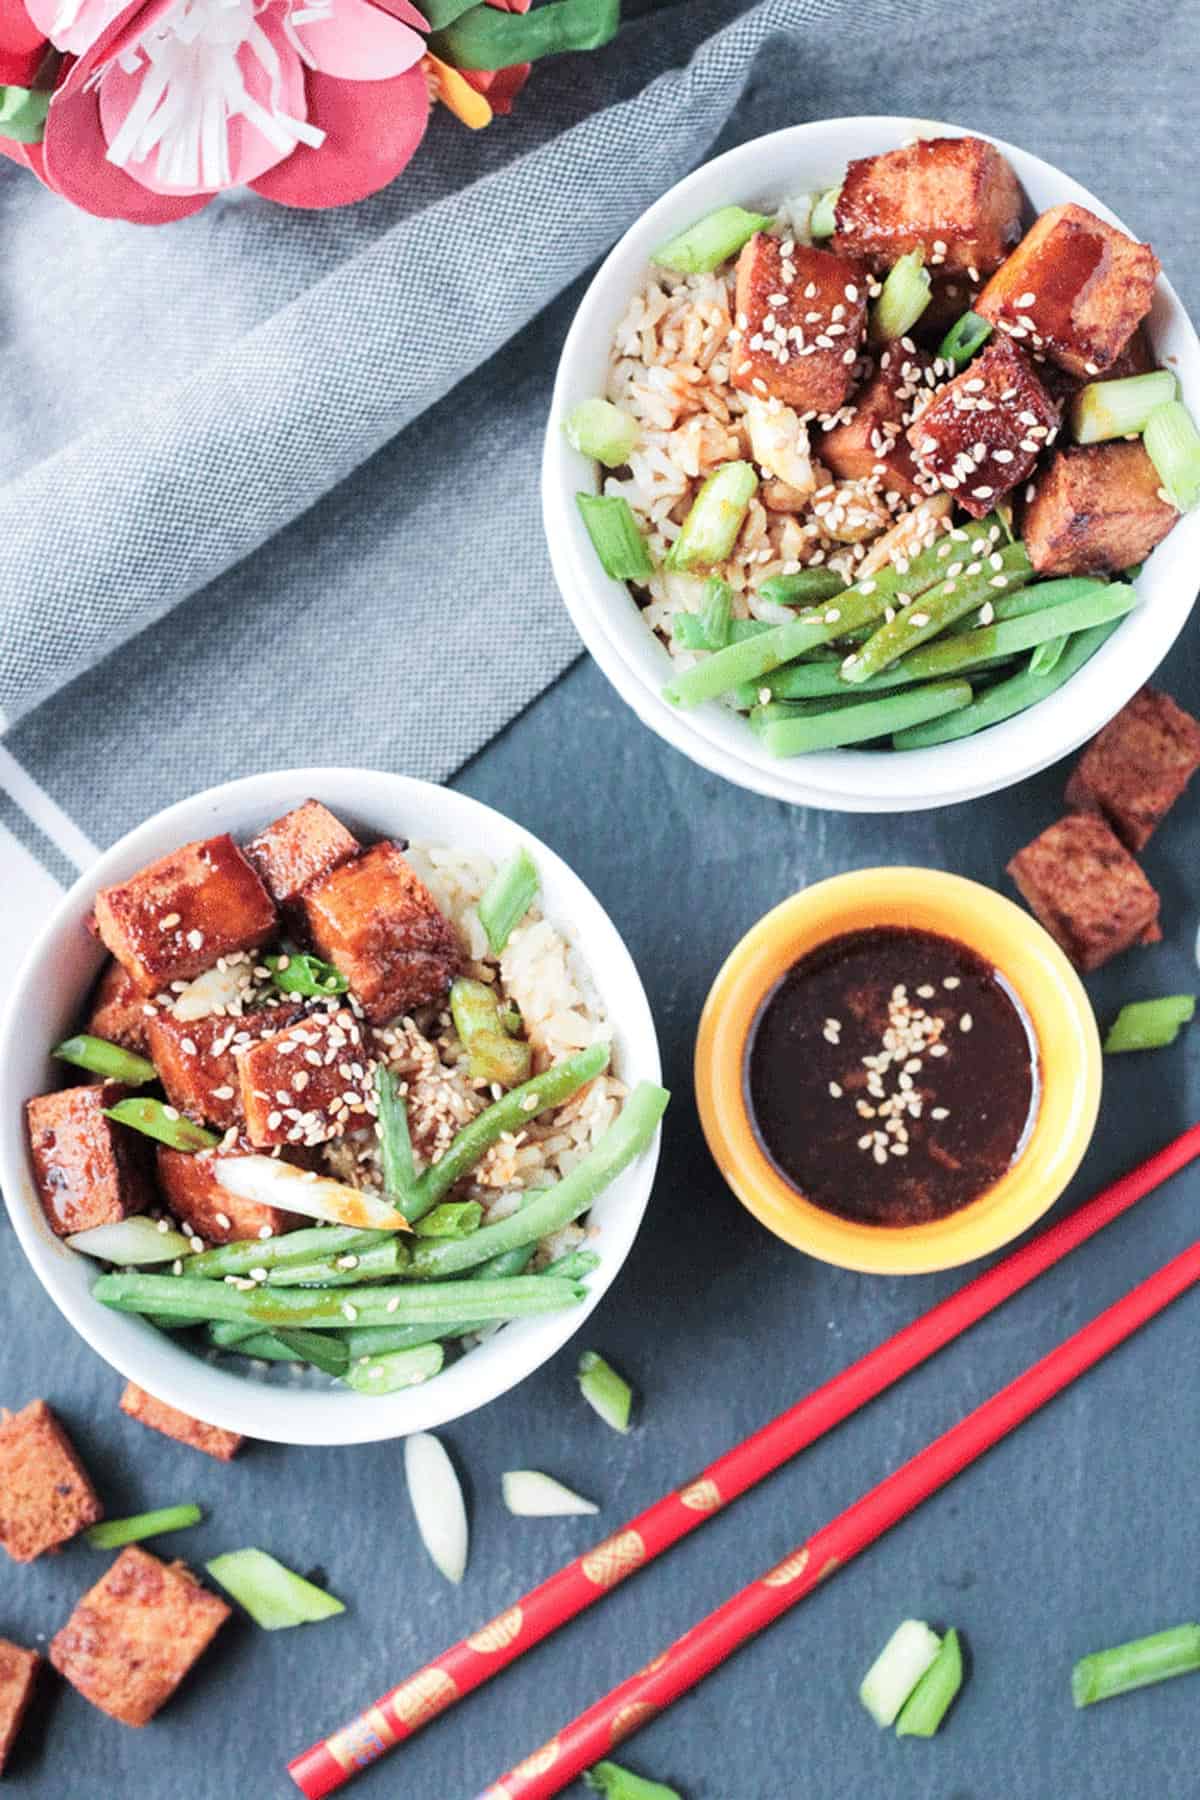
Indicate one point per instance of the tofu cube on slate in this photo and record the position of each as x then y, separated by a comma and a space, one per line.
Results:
1096, 508
873, 441
1089, 893
984, 431
46, 1495
196, 1059
381, 927
801, 319
173, 919
1075, 288
1138, 766
308, 1083
954, 199
294, 850
172, 1423
89, 1170
208, 1210
119, 1010
134, 1636
18, 1677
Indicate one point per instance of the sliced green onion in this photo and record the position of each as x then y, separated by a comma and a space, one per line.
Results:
437, 1503
271, 1182
614, 531
606, 1392
823, 221
904, 297
484, 38
397, 1369
617, 1783
492, 1055
274, 1596
301, 973
711, 241
320, 1348
894, 1674
1113, 409
710, 530
1146, 1660
1149, 1024
395, 1143
1045, 657
452, 1219
111, 1534
844, 725
102, 1058
132, 1243
528, 1494
23, 114
163, 1123
507, 898
601, 430
1173, 446
930, 1700
964, 338
716, 613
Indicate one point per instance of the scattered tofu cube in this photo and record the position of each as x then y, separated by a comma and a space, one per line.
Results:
209, 1211
134, 1636
46, 1496
119, 1010
1138, 766
309, 1083
954, 199
801, 320
1095, 508
89, 1170
172, 920
383, 929
1074, 289
143, 1407
984, 431
294, 850
1089, 893
872, 442
18, 1677
196, 1059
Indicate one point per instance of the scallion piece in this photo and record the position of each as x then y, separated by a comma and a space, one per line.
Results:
606, 1392
528, 1494
1146, 1660
1113, 409
1046, 656
301, 973
162, 1123
23, 114
930, 1700
823, 220
484, 38
492, 1054
964, 339
111, 1534
132, 1243
617, 1783
710, 530
273, 1595
711, 241
716, 614
507, 898
1173, 446
615, 536
904, 298
437, 1503
601, 430
100, 1057
452, 1219
397, 1369
894, 1674
1149, 1024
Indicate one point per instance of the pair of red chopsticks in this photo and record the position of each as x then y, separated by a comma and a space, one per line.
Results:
474, 1660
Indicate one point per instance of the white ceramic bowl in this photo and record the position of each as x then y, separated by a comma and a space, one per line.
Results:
45, 1003
760, 174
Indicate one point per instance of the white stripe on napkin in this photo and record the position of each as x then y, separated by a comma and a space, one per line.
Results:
45, 813
28, 893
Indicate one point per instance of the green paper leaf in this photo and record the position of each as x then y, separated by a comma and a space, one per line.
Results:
483, 38
23, 114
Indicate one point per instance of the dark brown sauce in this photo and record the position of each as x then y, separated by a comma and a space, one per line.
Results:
939, 1112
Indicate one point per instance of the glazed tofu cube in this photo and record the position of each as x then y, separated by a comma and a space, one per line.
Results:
1095, 508
206, 1209
1089, 893
134, 1636
1074, 289
383, 929
954, 199
89, 1170
985, 430
18, 1676
872, 442
172, 1423
801, 320
172, 920
46, 1496
197, 1059
119, 1010
1138, 766
308, 1083
295, 849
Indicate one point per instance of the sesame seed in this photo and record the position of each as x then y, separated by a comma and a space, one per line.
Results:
349, 1312
167, 921
939, 1112
966, 1022
835, 1090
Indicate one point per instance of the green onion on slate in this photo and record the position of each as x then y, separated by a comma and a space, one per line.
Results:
163, 1123
507, 898
1107, 1673
1149, 1024
618, 1783
606, 1392
598, 429
273, 1595
887, 1684
930, 1701
615, 536
111, 1534
100, 1057
711, 241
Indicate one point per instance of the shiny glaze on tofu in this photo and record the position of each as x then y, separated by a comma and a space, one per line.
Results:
381, 927
197, 1059
985, 430
1089, 893
1096, 508
954, 199
173, 919
195, 1196
296, 849
119, 1010
308, 1083
801, 319
1074, 289
872, 442
89, 1170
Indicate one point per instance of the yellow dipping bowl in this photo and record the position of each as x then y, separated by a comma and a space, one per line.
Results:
1040, 975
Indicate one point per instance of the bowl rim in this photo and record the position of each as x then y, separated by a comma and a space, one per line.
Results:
1055, 1002
637, 664
186, 1379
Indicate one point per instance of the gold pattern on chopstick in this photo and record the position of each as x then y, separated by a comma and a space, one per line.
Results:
613, 1560
701, 1496
629, 1719
831, 1568
490, 1639
362, 1742
538, 1763
424, 1697
789, 1570
656, 1663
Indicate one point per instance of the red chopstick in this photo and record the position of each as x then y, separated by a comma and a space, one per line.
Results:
402, 1711
590, 1737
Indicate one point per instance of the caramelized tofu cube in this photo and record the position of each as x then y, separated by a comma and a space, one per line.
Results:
296, 849
46, 1496
954, 199
18, 1676
134, 1636
119, 1010
143, 1407
209, 1211
197, 1059
89, 1170
308, 1083
383, 929
172, 920
1074, 288
1136, 769
872, 442
801, 320
1097, 507
1089, 893
985, 430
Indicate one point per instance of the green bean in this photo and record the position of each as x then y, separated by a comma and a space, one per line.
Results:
100, 1057
953, 655
813, 681
320, 1348
264, 1346
807, 587
452, 1219
395, 1369
1007, 697
1030, 599
418, 1303
690, 632
240, 1257
859, 724
395, 1144
574, 1266
1046, 655
163, 1123
939, 607
378, 1340
346, 1270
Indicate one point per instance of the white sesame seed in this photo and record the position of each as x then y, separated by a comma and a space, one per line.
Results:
966, 1022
